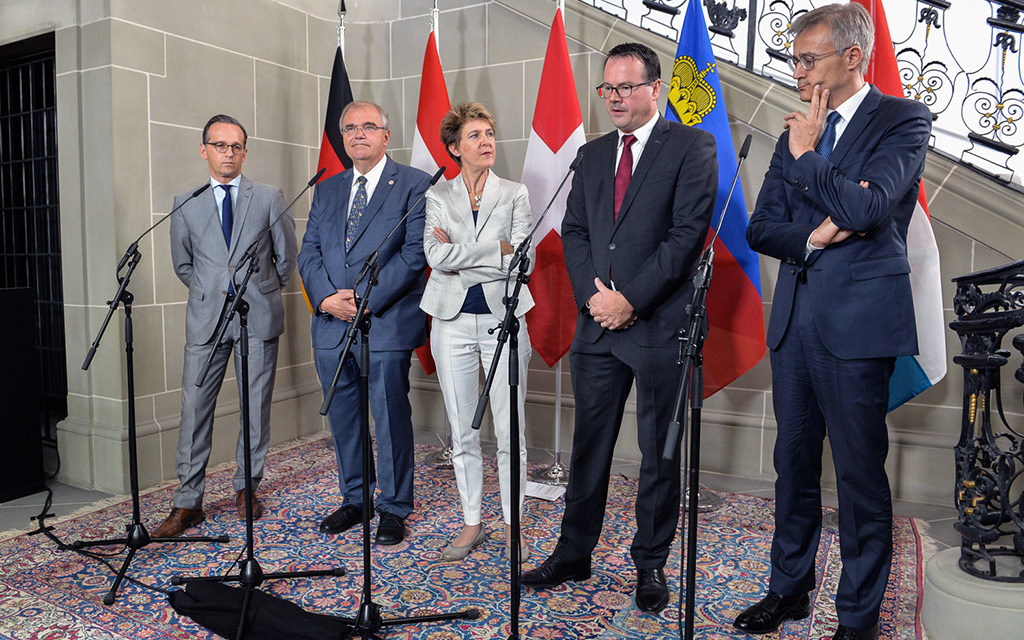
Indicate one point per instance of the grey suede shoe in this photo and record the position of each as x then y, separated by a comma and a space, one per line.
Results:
452, 553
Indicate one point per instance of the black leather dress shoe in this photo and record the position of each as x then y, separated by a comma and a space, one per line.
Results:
390, 529
651, 590
846, 633
554, 571
342, 519
771, 611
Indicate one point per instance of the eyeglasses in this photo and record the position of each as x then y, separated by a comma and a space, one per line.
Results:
222, 147
624, 90
807, 60
366, 127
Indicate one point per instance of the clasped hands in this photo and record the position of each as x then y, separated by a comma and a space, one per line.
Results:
341, 305
609, 308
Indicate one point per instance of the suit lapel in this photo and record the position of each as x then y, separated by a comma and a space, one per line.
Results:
851, 135
207, 206
380, 194
488, 200
647, 156
239, 211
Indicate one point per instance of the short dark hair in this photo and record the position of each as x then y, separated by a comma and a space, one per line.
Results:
458, 117
850, 25
223, 119
643, 53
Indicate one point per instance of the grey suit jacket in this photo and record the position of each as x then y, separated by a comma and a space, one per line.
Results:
474, 254
205, 264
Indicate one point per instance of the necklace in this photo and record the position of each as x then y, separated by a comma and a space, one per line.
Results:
473, 193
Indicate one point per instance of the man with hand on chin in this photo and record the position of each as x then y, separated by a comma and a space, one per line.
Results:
834, 210
635, 222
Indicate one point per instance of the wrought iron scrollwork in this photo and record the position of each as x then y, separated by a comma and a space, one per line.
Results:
723, 19
989, 457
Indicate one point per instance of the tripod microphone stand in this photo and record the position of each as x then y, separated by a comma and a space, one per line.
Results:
508, 330
250, 574
691, 388
136, 535
368, 620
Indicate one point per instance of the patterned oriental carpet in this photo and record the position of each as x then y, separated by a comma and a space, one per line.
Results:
46, 593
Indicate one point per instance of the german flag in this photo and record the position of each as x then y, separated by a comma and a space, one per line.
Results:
332, 151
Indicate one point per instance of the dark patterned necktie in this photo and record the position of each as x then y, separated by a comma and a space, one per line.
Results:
356, 212
624, 172
828, 136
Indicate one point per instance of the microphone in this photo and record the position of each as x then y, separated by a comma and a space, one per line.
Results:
135, 245
744, 150
252, 247
372, 259
657, 6
524, 246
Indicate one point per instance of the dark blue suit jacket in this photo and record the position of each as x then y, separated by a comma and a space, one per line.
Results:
325, 265
859, 289
650, 251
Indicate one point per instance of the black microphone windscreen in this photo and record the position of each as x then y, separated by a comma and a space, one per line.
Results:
576, 162
657, 6
200, 190
437, 176
316, 178
745, 149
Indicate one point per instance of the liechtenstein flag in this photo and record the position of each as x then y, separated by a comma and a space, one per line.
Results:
735, 341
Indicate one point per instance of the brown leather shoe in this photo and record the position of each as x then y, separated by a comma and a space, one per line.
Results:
176, 523
257, 506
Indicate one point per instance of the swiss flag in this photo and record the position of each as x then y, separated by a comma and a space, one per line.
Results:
428, 153
555, 137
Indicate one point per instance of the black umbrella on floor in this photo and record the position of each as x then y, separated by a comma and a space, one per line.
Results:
217, 606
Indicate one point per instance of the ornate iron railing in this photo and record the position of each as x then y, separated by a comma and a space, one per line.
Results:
989, 492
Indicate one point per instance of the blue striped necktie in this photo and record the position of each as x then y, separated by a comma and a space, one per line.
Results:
828, 136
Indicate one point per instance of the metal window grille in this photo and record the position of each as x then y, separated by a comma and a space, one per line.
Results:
29, 209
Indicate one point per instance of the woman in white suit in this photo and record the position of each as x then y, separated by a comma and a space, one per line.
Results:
473, 224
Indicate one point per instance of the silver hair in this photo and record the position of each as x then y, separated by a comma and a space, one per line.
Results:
850, 24
365, 103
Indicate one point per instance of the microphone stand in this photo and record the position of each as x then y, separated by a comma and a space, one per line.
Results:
691, 387
136, 535
250, 574
508, 331
369, 620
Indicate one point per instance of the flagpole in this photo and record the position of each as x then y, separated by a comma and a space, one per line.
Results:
557, 473
442, 459
341, 26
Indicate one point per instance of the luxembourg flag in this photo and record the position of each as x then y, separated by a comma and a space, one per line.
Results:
735, 341
555, 137
428, 154
913, 374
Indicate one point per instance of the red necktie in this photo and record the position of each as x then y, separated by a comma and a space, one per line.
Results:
624, 172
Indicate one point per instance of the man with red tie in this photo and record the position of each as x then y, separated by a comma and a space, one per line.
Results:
635, 223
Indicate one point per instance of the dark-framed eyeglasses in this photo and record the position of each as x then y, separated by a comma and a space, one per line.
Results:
366, 127
624, 90
807, 60
222, 147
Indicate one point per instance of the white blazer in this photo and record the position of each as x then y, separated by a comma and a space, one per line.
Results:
474, 254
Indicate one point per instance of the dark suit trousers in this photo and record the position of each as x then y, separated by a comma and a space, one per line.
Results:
602, 374
392, 418
811, 389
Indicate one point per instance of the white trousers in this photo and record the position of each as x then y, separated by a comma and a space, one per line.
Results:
461, 347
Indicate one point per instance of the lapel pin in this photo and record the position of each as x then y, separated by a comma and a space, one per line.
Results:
391, 182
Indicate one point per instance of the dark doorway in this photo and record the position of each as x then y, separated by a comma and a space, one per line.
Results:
29, 208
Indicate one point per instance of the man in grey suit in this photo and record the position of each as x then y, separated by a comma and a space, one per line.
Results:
208, 236
351, 215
